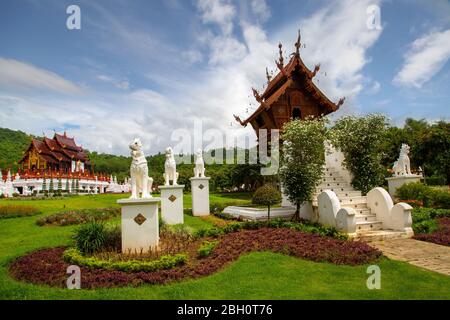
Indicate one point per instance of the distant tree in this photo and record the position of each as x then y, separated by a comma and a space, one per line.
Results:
44, 186
77, 186
67, 185
59, 191
267, 195
51, 189
74, 187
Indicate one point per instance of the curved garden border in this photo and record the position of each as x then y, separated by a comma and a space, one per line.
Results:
49, 268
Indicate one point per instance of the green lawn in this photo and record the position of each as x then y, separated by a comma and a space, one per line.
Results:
262, 275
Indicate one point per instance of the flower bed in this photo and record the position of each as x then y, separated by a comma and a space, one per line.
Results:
78, 216
440, 236
14, 211
48, 266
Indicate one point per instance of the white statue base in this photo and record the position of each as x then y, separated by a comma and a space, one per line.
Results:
172, 204
140, 225
398, 181
200, 196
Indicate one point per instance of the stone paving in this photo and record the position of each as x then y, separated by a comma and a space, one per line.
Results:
423, 254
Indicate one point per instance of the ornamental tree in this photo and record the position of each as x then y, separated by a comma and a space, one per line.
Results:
361, 140
302, 159
267, 195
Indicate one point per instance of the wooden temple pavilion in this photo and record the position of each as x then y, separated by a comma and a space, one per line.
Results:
291, 94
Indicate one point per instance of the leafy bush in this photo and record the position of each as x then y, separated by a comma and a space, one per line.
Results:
78, 216
361, 141
267, 195
206, 248
435, 181
91, 237
415, 191
14, 211
74, 256
429, 196
425, 219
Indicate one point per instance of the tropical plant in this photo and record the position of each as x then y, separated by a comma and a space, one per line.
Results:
361, 140
302, 160
267, 195
90, 237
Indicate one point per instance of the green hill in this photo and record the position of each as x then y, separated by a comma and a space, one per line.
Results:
12, 145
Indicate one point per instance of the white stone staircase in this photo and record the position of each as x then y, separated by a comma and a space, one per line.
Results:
368, 228
349, 198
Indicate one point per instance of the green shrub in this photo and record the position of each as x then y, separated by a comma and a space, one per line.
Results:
435, 181
424, 219
90, 237
206, 248
415, 191
74, 256
14, 211
78, 216
441, 199
429, 196
361, 139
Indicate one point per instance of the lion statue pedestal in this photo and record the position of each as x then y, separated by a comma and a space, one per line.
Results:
402, 171
172, 204
139, 213
200, 187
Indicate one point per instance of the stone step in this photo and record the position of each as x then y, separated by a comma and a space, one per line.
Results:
363, 211
379, 235
342, 194
335, 187
326, 180
352, 200
368, 226
355, 206
365, 218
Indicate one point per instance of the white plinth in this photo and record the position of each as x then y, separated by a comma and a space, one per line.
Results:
396, 182
140, 225
172, 204
200, 196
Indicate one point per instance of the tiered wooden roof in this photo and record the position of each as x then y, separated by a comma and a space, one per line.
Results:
291, 88
59, 149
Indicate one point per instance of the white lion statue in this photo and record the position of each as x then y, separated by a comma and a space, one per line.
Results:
170, 168
199, 169
140, 181
402, 166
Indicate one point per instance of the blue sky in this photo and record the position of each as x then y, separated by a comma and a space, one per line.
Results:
154, 68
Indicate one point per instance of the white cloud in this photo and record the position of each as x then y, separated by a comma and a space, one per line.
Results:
192, 56
335, 36
123, 84
15, 73
220, 12
261, 9
426, 57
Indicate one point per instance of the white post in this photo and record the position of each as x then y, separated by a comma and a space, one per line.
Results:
172, 204
200, 196
140, 225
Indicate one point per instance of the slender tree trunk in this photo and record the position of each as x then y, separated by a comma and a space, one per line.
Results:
296, 216
268, 213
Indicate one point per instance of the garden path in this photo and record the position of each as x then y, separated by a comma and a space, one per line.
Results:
423, 254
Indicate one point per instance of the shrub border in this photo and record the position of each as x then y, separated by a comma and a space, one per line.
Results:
72, 255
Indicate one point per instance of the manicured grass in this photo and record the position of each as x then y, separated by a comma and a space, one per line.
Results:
260, 275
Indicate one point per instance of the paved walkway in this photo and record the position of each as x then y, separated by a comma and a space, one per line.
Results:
423, 254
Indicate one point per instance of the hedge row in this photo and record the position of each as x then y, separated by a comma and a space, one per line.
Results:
74, 256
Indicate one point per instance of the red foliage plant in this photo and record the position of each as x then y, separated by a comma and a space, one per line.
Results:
47, 266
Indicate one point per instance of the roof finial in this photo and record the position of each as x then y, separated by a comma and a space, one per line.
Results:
269, 77
281, 60
298, 44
